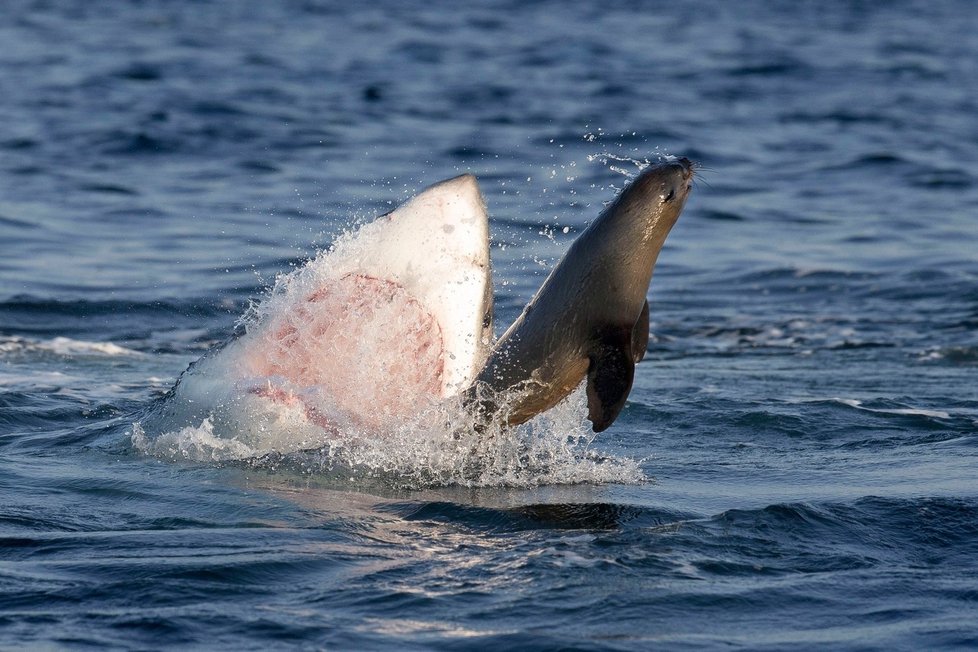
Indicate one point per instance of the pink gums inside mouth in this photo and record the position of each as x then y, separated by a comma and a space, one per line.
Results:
359, 346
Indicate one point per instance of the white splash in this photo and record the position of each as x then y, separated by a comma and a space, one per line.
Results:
198, 444
623, 164
438, 447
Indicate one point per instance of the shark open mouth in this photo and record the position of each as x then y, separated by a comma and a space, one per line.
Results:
361, 345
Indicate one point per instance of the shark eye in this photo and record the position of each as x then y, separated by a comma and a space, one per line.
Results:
672, 193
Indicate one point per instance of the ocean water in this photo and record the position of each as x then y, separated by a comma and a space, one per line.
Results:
797, 464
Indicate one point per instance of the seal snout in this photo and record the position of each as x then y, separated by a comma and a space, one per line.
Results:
687, 168
677, 179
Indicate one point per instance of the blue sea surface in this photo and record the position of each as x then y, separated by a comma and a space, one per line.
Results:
803, 430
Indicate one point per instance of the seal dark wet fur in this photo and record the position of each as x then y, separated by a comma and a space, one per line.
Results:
590, 318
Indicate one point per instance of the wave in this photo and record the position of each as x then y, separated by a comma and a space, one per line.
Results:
902, 411
37, 325
28, 314
63, 346
537, 516
882, 526
956, 355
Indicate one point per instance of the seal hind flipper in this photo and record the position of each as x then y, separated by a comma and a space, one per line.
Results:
609, 380
640, 334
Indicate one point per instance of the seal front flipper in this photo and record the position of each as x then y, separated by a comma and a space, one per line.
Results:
609, 380
640, 334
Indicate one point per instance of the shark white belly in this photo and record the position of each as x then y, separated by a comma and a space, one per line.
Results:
394, 318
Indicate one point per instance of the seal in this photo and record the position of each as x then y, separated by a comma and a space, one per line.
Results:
590, 318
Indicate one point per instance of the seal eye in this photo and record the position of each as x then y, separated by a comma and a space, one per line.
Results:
672, 193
